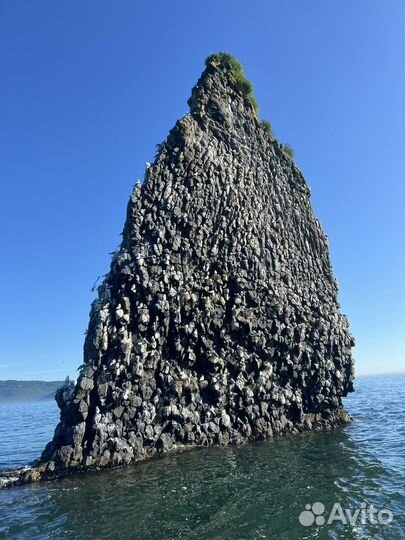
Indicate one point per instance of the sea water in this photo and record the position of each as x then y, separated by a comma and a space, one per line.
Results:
297, 487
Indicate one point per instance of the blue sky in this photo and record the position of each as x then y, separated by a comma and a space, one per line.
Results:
89, 88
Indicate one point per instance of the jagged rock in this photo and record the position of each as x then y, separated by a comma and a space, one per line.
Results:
218, 321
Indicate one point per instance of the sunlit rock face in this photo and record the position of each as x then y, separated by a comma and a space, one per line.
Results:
218, 321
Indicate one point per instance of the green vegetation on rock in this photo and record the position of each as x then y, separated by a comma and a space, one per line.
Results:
267, 127
288, 150
228, 64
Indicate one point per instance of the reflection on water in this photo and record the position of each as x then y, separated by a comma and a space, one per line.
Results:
250, 492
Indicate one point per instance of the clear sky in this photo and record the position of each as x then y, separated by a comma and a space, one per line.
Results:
89, 88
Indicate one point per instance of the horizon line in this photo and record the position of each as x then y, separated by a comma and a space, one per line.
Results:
375, 374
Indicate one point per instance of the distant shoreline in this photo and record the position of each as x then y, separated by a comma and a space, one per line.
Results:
26, 391
20, 391
380, 374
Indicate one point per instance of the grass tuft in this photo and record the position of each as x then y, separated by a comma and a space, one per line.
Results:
228, 64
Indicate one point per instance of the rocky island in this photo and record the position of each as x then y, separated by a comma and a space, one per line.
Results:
218, 321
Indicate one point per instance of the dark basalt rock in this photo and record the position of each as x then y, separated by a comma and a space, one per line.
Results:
218, 321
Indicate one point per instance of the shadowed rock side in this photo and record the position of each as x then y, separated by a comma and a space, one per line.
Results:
218, 321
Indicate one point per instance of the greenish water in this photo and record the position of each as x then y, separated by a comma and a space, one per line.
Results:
256, 491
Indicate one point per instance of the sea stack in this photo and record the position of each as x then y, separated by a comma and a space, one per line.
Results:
218, 321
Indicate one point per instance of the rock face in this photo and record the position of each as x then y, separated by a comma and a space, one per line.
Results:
218, 321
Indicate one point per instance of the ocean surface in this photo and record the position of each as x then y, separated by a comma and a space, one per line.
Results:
263, 490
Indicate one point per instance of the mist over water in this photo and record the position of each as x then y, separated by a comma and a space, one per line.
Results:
256, 491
